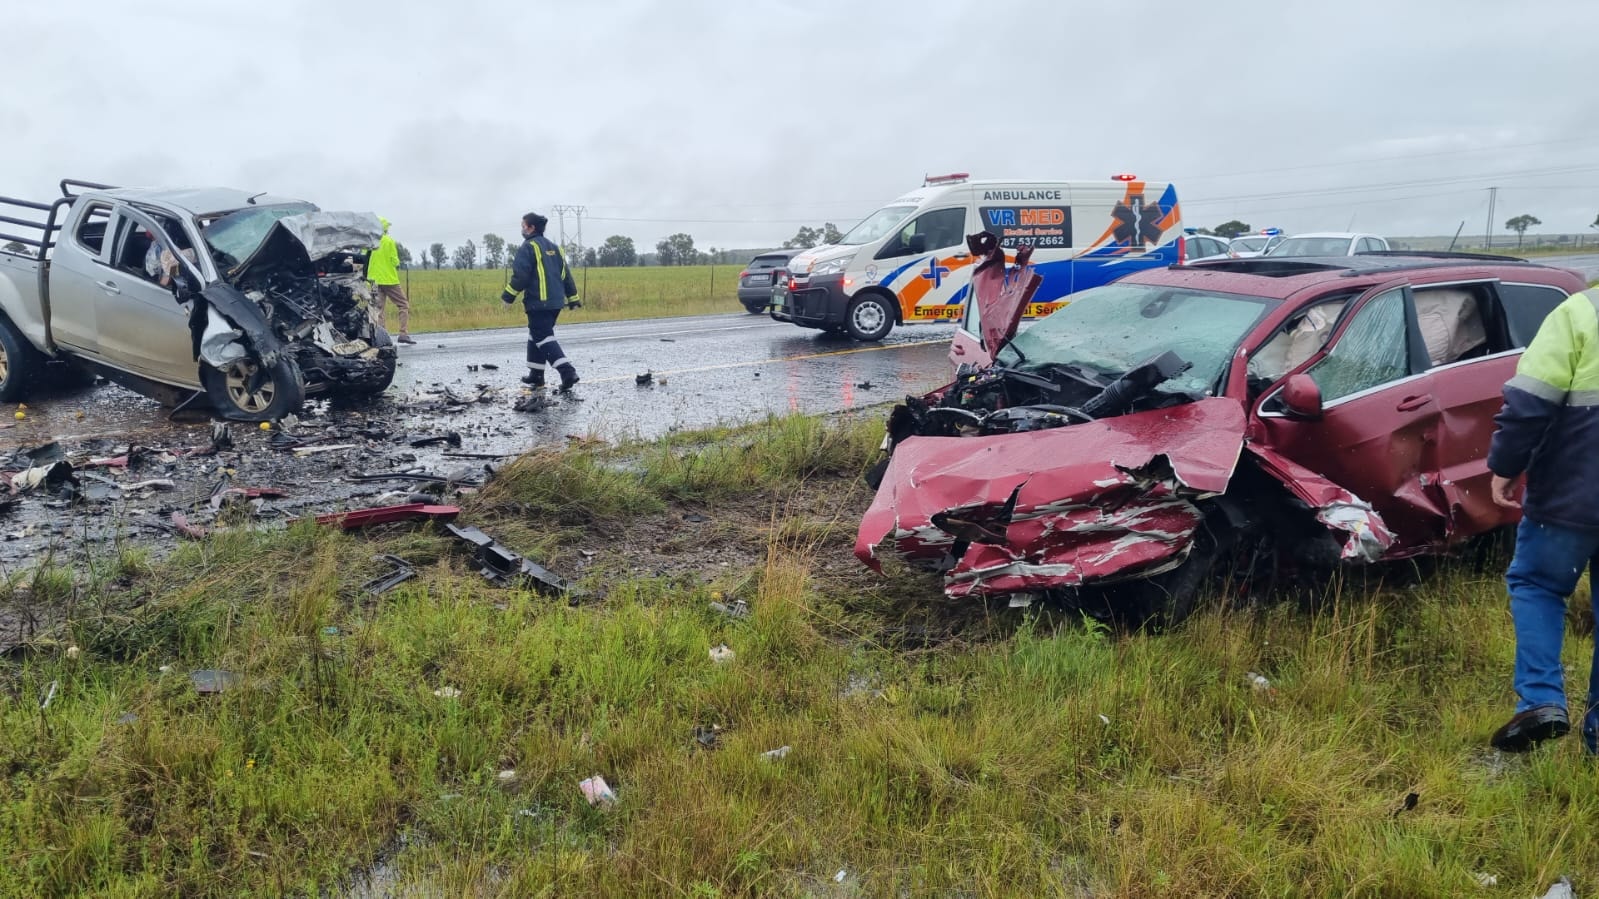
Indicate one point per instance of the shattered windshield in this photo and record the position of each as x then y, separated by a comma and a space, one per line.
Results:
1111, 329
233, 237
878, 224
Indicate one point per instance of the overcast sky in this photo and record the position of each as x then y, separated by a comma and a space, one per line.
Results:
739, 121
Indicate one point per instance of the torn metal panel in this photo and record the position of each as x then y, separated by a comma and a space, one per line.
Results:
361, 518
1059, 507
1001, 294
1368, 537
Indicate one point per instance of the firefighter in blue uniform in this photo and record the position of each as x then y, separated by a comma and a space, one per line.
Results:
541, 278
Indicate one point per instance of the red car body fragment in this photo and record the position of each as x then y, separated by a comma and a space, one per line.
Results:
1368, 537
1056, 508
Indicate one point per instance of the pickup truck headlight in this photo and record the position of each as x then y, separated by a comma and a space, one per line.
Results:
833, 266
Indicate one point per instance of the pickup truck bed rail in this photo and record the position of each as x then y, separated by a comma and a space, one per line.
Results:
40, 235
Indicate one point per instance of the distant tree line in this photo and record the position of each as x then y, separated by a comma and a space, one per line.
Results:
618, 250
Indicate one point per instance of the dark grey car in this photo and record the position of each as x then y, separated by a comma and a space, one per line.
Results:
755, 281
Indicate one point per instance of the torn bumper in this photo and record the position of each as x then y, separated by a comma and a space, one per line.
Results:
1094, 502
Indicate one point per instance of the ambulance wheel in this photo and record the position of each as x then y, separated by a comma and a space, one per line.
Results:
869, 318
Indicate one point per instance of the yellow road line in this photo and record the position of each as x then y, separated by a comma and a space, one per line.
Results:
752, 363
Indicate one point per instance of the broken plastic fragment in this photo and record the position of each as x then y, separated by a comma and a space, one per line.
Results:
1561, 889
1257, 681
778, 753
208, 681
506, 776
597, 791
721, 654
447, 693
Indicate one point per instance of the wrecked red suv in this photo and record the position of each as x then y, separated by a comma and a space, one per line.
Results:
1243, 413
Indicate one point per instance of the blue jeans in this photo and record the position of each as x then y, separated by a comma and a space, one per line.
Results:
1544, 571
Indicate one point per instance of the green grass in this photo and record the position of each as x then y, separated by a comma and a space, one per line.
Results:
449, 300
981, 766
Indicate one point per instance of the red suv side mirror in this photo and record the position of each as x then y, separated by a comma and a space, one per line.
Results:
1302, 397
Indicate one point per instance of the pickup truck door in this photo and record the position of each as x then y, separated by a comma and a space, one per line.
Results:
79, 275
143, 327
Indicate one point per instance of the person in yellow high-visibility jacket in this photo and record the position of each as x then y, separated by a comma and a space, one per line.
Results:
383, 270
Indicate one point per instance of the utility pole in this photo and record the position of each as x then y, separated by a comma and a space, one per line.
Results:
1488, 236
562, 211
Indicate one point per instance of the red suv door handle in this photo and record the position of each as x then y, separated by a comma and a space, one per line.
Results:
1412, 403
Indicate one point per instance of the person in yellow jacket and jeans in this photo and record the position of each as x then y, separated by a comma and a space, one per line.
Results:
1549, 434
383, 270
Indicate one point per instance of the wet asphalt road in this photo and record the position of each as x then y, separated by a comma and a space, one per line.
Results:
705, 370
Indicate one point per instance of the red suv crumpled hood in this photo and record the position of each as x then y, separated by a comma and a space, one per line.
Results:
1056, 508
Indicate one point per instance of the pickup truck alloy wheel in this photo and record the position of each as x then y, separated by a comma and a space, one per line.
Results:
248, 390
868, 318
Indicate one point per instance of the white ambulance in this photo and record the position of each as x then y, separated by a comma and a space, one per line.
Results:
908, 262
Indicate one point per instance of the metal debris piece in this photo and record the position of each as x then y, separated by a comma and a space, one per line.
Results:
451, 437
533, 402
361, 518
780, 752
303, 451
49, 695
1486, 880
721, 654
1258, 682
221, 437
489, 366
864, 385
739, 608
383, 583
644, 379
208, 681
502, 566
447, 693
695, 518
708, 737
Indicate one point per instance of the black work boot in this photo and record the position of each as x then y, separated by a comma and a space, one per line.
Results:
569, 377
534, 377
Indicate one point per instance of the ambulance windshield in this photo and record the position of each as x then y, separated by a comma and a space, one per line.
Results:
877, 225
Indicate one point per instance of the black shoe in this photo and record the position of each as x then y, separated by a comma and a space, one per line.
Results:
569, 383
533, 380
405, 338
1527, 729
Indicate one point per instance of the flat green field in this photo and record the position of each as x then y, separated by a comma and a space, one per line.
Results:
451, 300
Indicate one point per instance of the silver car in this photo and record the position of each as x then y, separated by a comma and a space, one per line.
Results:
249, 300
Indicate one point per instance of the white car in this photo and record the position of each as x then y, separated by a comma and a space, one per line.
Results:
1248, 246
1203, 247
1329, 243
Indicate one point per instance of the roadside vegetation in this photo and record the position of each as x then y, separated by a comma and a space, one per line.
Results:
432, 739
452, 300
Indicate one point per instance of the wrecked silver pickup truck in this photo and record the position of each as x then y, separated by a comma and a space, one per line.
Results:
1258, 416
248, 301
